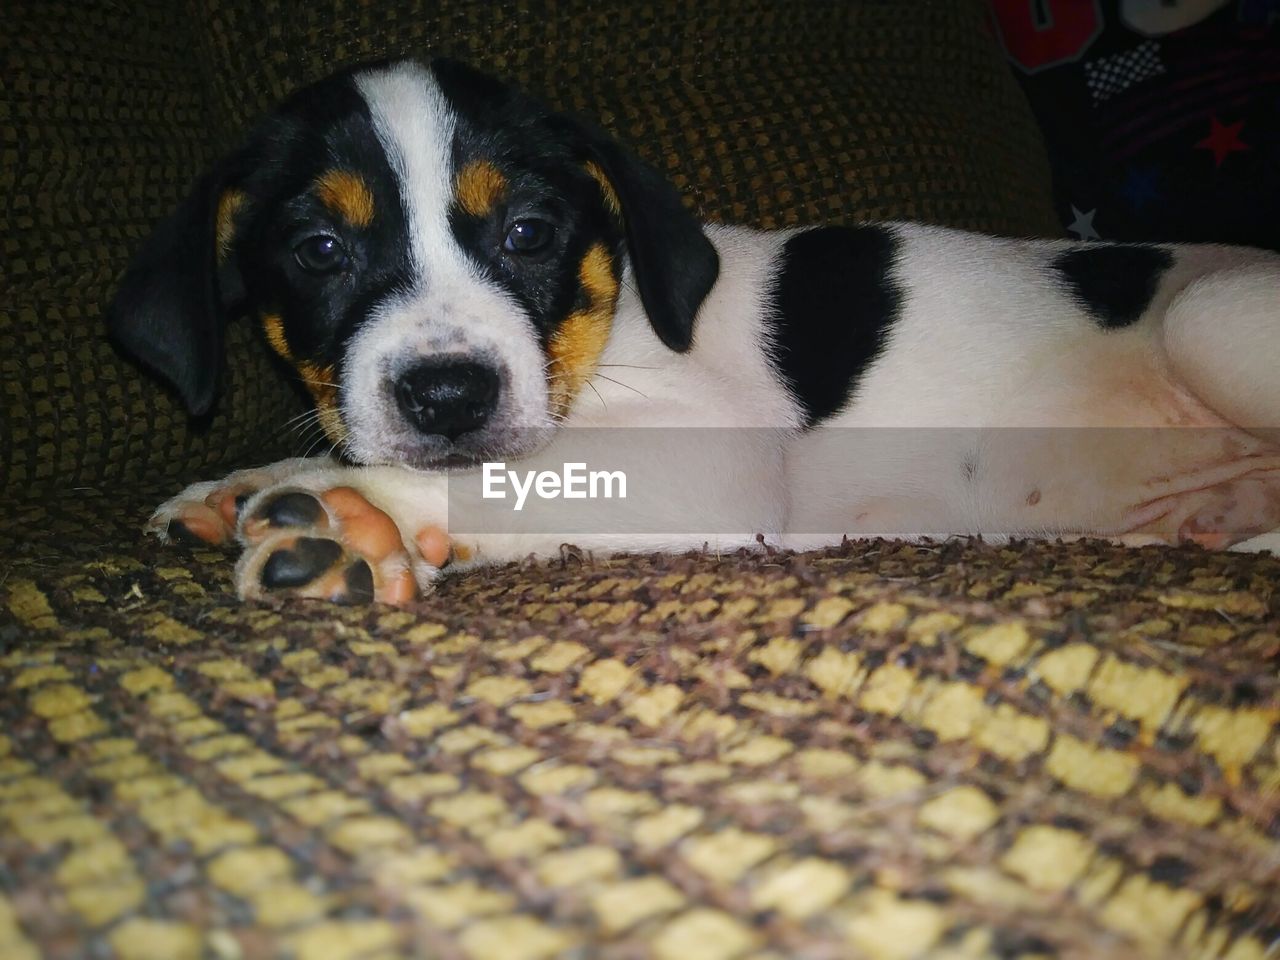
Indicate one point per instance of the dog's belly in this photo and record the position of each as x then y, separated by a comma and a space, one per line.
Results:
1111, 444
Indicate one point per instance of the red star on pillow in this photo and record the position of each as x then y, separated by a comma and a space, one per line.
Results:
1223, 140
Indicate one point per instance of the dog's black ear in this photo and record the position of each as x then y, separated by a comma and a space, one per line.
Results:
176, 295
674, 263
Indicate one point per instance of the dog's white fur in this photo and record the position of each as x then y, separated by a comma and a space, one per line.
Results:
451, 308
987, 339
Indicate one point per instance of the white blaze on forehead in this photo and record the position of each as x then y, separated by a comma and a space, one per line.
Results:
415, 126
453, 307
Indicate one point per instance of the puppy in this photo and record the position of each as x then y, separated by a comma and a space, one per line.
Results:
460, 277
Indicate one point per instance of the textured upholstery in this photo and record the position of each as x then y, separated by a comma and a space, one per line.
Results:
104, 123
880, 752
883, 752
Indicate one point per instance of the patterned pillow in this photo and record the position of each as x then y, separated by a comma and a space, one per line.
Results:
1162, 117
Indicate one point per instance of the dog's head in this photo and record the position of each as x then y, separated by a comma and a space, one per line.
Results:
437, 255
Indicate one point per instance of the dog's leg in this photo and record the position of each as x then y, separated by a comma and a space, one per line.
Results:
1239, 509
320, 522
356, 534
1222, 337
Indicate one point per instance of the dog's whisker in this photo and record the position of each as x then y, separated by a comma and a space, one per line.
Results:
299, 426
310, 440
309, 412
343, 447
309, 430
315, 443
621, 384
306, 428
299, 419
598, 396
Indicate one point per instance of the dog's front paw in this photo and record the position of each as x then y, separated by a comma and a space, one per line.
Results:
333, 544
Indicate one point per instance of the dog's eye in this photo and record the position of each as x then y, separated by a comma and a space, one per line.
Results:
320, 254
528, 236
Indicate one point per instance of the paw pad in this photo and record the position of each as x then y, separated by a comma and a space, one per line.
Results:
359, 583
298, 565
332, 544
294, 509
179, 532
315, 567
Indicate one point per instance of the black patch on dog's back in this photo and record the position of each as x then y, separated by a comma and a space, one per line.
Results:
1114, 282
834, 302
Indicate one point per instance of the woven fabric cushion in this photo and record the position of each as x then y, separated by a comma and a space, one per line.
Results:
882, 752
103, 122
765, 113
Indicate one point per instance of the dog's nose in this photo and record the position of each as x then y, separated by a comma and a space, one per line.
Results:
448, 398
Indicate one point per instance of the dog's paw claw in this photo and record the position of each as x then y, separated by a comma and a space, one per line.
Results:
192, 523
178, 531
207, 513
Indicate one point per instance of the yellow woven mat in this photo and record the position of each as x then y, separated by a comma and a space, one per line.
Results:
884, 751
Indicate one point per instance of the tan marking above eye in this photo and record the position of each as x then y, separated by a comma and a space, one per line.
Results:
229, 204
479, 187
347, 195
606, 187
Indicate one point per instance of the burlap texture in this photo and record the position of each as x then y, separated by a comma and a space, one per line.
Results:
103, 123
882, 752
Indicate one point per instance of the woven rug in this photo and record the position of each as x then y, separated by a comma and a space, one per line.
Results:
882, 751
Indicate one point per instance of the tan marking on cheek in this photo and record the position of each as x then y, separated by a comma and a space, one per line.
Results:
320, 381
576, 346
273, 326
480, 186
597, 275
229, 204
347, 195
606, 187
322, 384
